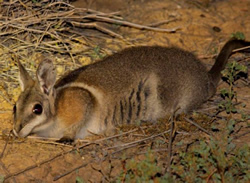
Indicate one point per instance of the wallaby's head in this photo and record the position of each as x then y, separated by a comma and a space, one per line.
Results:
35, 105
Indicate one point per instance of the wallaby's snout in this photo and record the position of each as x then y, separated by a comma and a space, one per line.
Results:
16, 128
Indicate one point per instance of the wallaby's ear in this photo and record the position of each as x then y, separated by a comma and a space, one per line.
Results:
46, 76
24, 78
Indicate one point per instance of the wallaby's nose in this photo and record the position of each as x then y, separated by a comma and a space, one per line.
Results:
16, 129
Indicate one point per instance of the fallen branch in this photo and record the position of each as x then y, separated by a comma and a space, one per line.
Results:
198, 126
138, 141
172, 134
72, 170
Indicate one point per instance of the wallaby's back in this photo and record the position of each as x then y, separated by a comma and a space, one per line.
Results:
144, 83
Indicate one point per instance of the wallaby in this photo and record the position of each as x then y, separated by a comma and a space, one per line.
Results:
140, 83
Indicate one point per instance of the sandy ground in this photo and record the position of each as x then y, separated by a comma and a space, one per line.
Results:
205, 27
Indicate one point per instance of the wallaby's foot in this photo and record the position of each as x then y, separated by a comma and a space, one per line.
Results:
65, 140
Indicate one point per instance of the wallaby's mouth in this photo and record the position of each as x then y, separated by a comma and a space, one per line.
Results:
20, 134
28, 128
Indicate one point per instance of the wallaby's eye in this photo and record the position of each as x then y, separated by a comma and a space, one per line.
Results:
14, 109
37, 109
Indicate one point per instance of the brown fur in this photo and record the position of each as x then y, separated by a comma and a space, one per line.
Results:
138, 83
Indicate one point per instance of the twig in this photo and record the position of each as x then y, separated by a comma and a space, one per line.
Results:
154, 150
6, 170
101, 172
240, 49
42, 36
162, 22
95, 25
70, 171
54, 143
198, 126
28, 29
26, 7
127, 147
121, 22
1, 156
138, 141
86, 141
241, 135
11, 50
10, 102
206, 109
43, 138
118, 135
60, 2
210, 175
67, 48
207, 56
172, 134
5, 145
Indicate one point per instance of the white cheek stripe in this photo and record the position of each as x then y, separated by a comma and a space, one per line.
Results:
31, 125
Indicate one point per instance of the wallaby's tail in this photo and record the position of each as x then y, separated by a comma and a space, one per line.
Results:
221, 60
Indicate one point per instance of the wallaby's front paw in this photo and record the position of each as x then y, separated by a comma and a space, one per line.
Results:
65, 140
